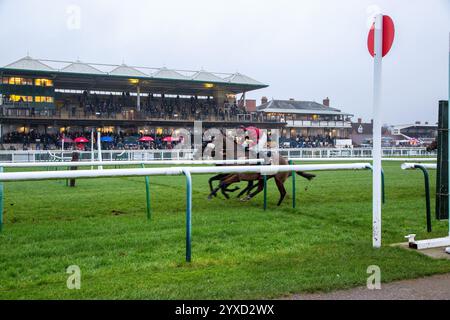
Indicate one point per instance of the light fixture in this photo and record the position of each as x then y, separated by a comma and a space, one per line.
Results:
209, 85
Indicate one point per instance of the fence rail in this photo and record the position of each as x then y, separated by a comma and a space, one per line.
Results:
150, 155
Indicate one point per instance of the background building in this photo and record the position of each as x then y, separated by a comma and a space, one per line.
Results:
308, 123
41, 100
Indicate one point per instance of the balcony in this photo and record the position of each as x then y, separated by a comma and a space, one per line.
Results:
24, 112
318, 124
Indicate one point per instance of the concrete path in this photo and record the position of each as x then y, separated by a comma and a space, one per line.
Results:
430, 288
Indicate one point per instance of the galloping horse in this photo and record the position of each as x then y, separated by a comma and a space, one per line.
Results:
280, 178
227, 179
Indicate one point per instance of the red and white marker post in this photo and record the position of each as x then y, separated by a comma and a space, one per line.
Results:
381, 37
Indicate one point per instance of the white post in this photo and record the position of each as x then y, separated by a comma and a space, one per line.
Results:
376, 151
99, 146
62, 147
138, 99
92, 147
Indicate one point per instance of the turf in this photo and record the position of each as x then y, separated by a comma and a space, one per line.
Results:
239, 250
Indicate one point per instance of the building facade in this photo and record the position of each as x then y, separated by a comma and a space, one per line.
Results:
307, 119
50, 98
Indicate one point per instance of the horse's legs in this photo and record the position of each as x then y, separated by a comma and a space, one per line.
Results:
229, 179
247, 190
215, 178
305, 175
281, 189
260, 188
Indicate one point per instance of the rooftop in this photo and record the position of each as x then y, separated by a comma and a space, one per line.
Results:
139, 72
299, 107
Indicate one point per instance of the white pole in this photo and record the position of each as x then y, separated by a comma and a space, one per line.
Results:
92, 147
62, 147
99, 146
138, 98
376, 178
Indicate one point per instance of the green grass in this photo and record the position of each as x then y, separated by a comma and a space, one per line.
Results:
239, 251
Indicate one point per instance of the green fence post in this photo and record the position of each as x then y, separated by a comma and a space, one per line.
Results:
265, 192
427, 195
1, 202
147, 192
293, 185
188, 215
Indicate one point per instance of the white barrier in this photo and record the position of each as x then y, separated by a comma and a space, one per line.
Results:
361, 159
411, 166
187, 171
128, 163
428, 243
80, 174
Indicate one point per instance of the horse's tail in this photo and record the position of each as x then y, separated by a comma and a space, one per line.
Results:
305, 175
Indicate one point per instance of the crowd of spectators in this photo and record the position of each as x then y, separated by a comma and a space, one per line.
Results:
155, 107
299, 141
53, 141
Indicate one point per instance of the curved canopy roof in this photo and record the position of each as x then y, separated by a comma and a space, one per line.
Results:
56, 67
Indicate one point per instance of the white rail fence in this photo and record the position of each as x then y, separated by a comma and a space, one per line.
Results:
265, 171
148, 155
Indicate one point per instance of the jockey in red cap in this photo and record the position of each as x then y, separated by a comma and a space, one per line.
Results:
257, 138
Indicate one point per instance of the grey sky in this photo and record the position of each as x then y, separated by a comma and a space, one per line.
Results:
306, 50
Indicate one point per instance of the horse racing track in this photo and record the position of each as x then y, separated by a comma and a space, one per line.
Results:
241, 251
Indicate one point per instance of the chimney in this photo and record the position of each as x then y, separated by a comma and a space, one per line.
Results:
417, 122
371, 121
359, 120
264, 100
326, 102
291, 99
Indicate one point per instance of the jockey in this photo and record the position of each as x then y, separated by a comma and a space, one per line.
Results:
256, 139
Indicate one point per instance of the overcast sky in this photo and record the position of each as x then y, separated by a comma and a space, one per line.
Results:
307, 49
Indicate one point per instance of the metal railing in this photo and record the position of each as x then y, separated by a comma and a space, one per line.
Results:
188, 154
319, 124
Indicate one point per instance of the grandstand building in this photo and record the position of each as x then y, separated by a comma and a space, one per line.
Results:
53, 97
307, 118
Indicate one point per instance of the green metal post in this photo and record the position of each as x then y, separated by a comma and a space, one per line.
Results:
293, 186
188, 215
427, 195
1, 203
265, 192
147, 192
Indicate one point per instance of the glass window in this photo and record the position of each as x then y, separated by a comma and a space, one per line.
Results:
18, 81
43, 82
43, 99
17, 98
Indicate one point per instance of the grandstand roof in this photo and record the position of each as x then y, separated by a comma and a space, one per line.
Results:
79, 67
28, 63
299, 107
67, 74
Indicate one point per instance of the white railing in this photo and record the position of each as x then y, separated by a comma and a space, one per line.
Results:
353, 152
319, 124
150, 155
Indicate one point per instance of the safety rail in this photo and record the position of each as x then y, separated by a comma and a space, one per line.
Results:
424, 167
186, 171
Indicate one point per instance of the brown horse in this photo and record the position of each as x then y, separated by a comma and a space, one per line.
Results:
433, 146
280, 178
229, 147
